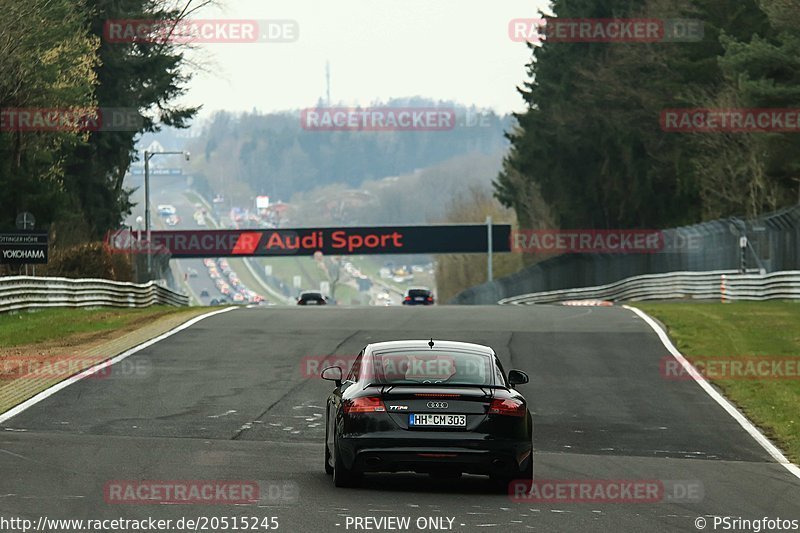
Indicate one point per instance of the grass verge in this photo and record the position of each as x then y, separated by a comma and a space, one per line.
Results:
39, 349
743, 331
44, 325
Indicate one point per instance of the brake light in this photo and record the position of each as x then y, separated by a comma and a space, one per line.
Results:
508, 407
407, 299
367, 404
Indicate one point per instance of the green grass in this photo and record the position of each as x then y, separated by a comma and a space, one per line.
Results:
744, 330
24, 327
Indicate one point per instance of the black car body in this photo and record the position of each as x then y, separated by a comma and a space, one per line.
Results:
418, 296
438, 407
311, 298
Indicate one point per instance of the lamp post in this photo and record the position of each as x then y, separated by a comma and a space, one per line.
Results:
147, 155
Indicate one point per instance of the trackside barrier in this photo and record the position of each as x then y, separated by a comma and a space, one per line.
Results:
723, 285
27, 292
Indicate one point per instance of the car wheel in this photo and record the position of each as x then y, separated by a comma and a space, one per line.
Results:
343, 476
502, 482
328, 467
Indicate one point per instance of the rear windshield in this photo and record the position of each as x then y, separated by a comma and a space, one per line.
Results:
419, 292
311, 296
431, 367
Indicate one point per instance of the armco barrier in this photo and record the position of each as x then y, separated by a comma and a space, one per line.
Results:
27, 292
728, 285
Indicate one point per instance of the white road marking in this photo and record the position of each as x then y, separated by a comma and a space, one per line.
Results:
14, 411
748, 426
226, 413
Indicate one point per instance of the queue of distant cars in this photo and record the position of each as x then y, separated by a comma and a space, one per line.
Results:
228, 283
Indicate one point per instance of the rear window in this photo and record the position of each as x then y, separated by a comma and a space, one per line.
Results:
419, 292
431, 367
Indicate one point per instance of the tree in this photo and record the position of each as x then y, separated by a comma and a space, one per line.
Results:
47, 61
142, 77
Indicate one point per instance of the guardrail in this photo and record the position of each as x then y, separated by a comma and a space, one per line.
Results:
27, 292
725, 285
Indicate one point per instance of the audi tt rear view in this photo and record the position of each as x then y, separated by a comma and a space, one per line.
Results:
438, 407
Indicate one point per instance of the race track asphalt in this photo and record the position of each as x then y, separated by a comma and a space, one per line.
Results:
227, 399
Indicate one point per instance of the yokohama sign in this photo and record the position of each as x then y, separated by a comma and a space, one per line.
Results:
23, 247
444, 239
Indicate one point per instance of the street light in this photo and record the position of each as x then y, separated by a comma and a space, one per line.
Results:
147, 156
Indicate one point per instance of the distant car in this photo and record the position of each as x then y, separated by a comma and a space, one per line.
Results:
204, 293
418, 296
214, 302
312, 298
192, 272
238, 297
166, 210
438, 407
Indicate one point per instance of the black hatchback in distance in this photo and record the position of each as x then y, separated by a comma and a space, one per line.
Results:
418, 296
312, 298
438, 407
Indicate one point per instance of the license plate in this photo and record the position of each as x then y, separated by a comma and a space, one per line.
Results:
437, 420
419, 299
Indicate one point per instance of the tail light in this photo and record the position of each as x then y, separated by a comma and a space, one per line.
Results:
366, 404
407, 299
507, 407
430, 299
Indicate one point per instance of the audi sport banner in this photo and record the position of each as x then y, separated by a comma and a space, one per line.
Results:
444, 239
23, 247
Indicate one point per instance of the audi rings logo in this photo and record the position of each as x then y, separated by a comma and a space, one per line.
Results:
437, 405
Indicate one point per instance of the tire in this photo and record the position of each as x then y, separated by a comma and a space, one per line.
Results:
343, 476
328, 467
502, 482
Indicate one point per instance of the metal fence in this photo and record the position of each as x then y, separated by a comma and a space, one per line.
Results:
26, 292
773, 244
723, 285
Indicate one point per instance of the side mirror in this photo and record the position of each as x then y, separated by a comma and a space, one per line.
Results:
517, 377
333, 373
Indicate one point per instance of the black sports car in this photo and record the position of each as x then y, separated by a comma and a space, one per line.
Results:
312, 298
437, 407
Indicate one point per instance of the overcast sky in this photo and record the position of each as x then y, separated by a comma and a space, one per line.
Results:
378, 49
